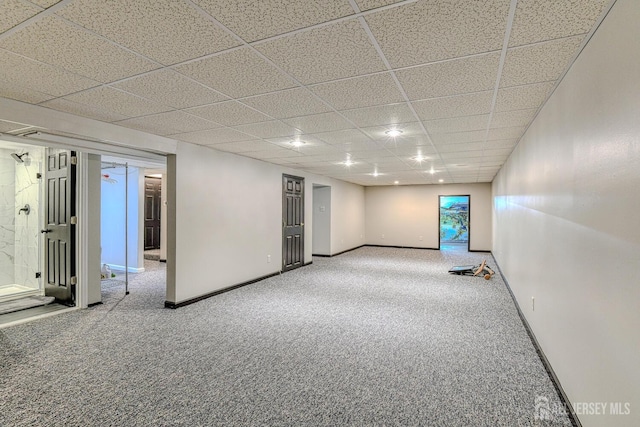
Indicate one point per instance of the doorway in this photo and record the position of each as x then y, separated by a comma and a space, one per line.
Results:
292, 222
321, 221
152, 203
454, 222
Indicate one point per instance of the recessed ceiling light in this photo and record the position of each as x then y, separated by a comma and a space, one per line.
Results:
376, 174
394, 132
396, 182
348, 162
441, 180
419, 158
297, 143
432, 171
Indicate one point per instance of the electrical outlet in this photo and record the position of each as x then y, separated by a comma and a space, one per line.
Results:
533, 304
268, 258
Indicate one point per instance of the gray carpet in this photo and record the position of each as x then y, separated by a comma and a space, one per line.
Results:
24, 303
376, 336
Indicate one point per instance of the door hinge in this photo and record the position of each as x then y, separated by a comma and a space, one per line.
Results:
74, 160
73, 220
73, 280
38, 274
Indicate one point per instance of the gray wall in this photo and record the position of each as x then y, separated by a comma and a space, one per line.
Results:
321, 221
228, 219
566, 227
404, 214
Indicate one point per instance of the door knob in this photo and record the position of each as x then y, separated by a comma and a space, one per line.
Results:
46, 231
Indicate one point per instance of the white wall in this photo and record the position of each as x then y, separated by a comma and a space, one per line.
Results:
228, 219
321, 244
113, 219
404, 213
93, 185
566, 221
7, 217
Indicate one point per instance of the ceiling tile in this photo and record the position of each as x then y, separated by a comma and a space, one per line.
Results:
58, 43
461, 147
457, 124
83, 110
505, 133
247, 146
537, 21
342, 136
454, 77
409, 130
381, 115
315, 123
310, 141
13, 12
374, 4
287, 103
468, 156
229, 113
168, 123
454, 106
167, 31
237, 74
20, 93
45, 3
265, 155
23, 72
213, 136
326, 53
6, 126
460, 28
272, 17
359, 92
117, 101
550, 59
171, 88
270, 129
512, 118
523, 97
459, 137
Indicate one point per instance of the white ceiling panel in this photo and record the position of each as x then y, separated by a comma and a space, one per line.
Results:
505, 133
374, 4
55, 42
377, 89
343, 136
213, 136
326, 53
13, 12
458, 137
409, 131
21, 93
454, 106
288, 103
166, 31
380, 115
247, 146
266, 155
537, 21
468, 28
273, 17
523, 97
457, 124
170, 88
23, 72
237, 74
270, 129
169, 123
45, 3
229, 113
551, 59
473, 74
512, 118
316, 123
117, 101
83, 110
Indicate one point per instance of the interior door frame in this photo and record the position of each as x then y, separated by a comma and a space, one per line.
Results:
468, 196
302, 213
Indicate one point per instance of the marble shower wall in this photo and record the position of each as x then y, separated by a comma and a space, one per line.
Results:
27, 227
7, 217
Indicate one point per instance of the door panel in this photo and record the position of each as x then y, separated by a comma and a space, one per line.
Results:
58, 231
292, 222
152, 209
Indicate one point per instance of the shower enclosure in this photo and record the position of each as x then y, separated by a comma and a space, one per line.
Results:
20, 200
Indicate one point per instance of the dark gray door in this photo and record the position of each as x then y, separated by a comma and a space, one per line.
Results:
152, 199
292, 222
59, 230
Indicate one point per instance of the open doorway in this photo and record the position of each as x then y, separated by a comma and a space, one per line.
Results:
454, 223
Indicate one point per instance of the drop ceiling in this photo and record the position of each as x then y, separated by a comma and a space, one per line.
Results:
461, 79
